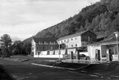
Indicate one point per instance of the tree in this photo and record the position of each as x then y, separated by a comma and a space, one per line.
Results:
27, 48
114, 5
6, 40
115, 25
17, 47
6, 44
105, 1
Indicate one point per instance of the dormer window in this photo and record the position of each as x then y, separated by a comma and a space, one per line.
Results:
40, 43
51, 43
54, 43
45, 43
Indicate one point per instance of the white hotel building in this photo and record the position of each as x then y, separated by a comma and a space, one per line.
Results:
75, 43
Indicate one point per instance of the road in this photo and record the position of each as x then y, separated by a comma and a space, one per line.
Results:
21, 71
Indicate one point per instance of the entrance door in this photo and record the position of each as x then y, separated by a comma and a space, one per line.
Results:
72, 55
110, 54
97, 54
78, 55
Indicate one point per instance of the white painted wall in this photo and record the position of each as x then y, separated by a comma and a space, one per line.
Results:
43, 53
51, 52
92, 51
56, 52
34, 47
50, 56
71, 50
71, 42
62, 52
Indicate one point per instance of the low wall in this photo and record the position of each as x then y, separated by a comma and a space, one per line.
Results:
55, 53
50, 54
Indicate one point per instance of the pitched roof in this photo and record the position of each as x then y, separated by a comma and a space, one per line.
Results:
73, 35
107, 41
101, 36
44, 39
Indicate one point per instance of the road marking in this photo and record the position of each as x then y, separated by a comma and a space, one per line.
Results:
93, 75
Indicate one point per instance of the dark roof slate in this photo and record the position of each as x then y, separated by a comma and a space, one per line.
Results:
107, 41
44, 39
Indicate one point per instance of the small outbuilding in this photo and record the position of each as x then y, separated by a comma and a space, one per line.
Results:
106, 50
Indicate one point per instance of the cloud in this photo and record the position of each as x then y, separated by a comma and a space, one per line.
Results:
26, 30
21, 11
24, 18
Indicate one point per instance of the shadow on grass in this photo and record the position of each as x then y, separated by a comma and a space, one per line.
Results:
70, 65
4, 75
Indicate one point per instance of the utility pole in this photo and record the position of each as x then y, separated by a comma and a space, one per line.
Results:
116, 34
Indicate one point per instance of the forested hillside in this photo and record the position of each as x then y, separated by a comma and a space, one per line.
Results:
101, 18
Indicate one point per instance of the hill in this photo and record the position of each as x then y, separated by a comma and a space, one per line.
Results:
101, 18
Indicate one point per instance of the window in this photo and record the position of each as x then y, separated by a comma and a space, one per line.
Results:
53, 52
64, 40
51, 47
37, 48
50, 43
43, 48
48, 52
71, 39
76, 38
76, 45
71, 45
46, 47
67, 40
54, 43
38, 53
45, 43
41, 43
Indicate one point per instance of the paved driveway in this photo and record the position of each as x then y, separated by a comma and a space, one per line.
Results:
22, 71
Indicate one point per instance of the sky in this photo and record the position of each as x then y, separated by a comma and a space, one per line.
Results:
22, 19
